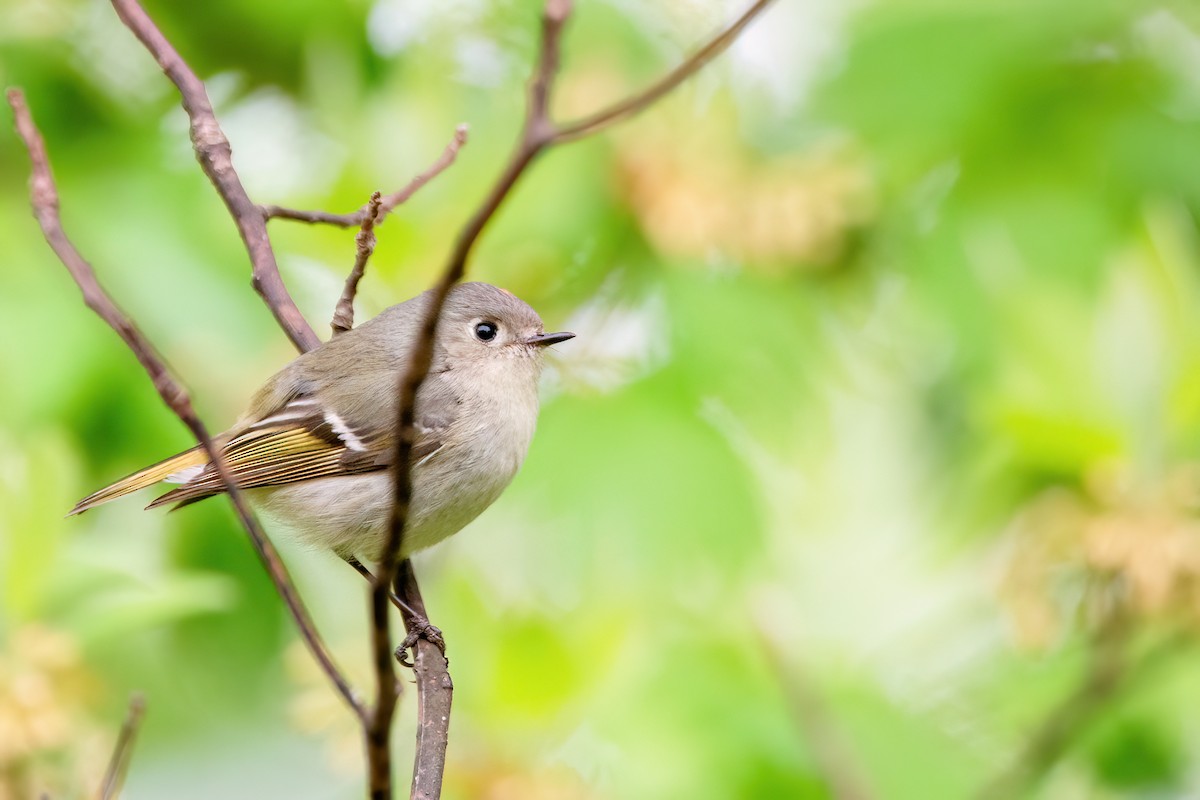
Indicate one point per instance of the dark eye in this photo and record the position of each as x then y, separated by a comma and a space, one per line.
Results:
486, 331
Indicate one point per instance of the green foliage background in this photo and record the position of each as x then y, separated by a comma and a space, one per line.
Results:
875, 454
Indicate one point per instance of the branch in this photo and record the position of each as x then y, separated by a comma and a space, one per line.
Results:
537, 134
435, 691
118, 763
343, 313
215, 157
44, 197
388, 204
623, 110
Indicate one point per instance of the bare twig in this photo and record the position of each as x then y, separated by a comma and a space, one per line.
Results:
351, 220
45, 202
215, 157
630, 106
343, 313
118, 763
389, 202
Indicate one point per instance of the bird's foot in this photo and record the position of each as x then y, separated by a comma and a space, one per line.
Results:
420, 628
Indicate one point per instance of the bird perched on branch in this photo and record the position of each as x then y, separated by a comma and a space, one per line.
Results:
315, 448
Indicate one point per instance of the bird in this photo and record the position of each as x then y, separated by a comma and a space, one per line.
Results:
315, 450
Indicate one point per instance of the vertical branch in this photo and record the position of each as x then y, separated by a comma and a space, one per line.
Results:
536, 134
118, 763
435, 693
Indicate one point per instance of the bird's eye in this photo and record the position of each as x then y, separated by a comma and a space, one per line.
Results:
486, 331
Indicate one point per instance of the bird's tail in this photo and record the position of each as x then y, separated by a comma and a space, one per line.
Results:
176, 469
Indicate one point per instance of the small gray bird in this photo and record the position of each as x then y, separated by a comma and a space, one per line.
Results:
315, 448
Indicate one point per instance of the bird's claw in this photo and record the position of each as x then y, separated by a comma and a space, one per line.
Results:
420, 628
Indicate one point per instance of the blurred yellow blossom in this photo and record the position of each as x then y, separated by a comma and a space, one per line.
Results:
771, 214
1141, 536
47, 743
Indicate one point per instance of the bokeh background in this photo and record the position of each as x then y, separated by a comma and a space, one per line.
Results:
874, 471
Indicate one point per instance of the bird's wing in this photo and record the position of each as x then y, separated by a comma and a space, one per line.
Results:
299, 441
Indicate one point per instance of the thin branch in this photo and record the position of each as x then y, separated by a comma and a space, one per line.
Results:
118, 763
630, 106
389, 203
537, 132
215, 157
351, 220
398, 198
435, 692
343, 313
44, 197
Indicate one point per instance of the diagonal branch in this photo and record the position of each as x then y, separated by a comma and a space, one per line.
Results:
623, 110
118, 764
388, 203
215, 157
44, 197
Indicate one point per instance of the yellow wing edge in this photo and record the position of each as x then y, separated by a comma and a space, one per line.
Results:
149, 476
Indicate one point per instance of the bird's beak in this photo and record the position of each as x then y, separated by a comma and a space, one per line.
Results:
545, 339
